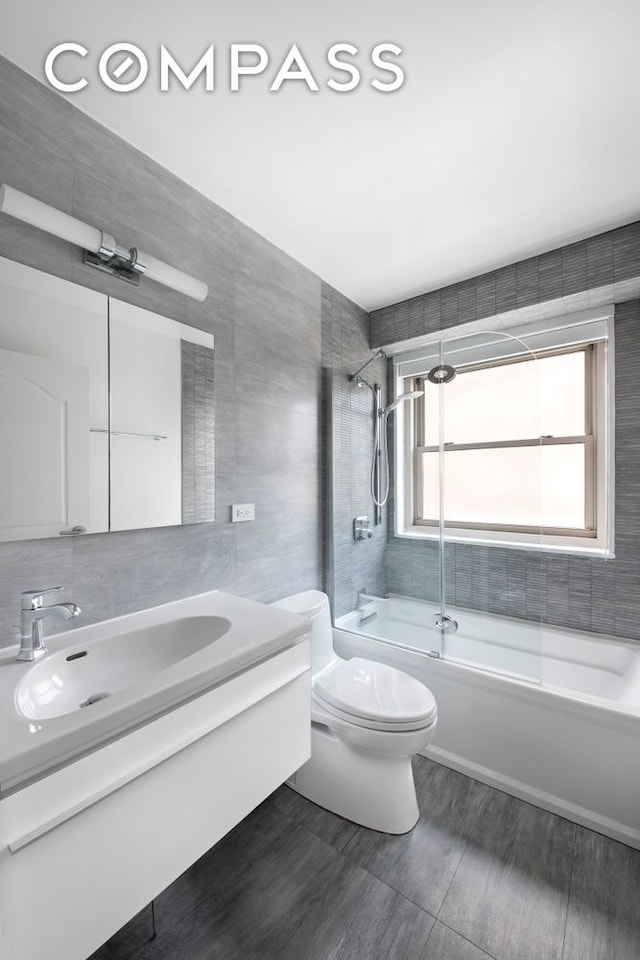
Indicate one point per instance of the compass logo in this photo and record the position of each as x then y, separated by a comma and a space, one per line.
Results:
124, 67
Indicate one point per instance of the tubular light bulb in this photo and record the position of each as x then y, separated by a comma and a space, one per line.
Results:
170, 277
23, 207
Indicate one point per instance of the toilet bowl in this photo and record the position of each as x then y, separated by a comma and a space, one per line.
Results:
367, 721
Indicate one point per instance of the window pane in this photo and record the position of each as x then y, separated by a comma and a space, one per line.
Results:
514, 401
519, 486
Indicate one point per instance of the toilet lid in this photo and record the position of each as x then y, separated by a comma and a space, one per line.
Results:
373, 691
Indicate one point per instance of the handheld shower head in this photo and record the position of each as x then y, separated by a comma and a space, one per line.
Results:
361, 382
411, 395
380, 475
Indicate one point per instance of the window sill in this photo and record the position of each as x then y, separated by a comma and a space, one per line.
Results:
542, 544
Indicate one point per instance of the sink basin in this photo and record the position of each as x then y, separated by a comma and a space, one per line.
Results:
81, 676
103, 680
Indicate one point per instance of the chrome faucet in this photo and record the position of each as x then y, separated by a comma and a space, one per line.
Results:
33, 613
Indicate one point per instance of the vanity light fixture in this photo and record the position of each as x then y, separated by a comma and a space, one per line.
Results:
100, 249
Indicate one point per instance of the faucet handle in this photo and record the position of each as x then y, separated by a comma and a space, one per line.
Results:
33, 599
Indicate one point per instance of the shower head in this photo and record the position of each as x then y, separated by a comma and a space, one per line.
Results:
411, 395
443, 373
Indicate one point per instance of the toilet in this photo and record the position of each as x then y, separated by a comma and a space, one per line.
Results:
367, 721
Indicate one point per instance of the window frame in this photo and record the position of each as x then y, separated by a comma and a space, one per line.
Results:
598, 536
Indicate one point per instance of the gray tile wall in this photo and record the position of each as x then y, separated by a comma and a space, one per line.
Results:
596, 595
348, 418
264, 310
590, 594
597, 262
198, 433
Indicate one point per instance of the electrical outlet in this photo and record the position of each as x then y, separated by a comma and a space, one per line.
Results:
241, 512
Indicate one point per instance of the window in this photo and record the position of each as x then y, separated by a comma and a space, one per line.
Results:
525, 448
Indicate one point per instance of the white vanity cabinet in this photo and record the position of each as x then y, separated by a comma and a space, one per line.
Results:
88, 845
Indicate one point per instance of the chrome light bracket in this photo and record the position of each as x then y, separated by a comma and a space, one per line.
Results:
123, 264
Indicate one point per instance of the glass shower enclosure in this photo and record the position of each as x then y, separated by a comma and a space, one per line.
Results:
477, 460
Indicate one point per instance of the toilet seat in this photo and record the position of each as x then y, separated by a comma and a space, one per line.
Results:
376, 696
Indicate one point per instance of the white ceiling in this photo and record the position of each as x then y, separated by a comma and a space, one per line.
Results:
517, 129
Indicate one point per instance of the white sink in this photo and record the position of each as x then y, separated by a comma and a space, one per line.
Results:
208, 712
100, 681
80, 677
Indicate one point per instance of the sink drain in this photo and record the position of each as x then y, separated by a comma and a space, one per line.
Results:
94, 698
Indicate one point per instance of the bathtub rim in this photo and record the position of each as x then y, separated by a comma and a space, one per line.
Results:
620, 716
590, 637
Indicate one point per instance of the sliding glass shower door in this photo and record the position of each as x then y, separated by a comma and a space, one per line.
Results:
486, 480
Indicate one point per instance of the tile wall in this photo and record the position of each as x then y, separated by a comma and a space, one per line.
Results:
264, 310
587, 594
198, 433
599, 263
348, 419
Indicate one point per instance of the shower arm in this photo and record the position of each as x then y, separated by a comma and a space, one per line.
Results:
356, 376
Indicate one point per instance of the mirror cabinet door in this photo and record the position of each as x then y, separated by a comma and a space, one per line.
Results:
106, 412
161, 375
54, 406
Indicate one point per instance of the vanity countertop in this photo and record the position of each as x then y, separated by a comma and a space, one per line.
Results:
30, 747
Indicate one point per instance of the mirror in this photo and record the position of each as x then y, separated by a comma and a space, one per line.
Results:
106, 412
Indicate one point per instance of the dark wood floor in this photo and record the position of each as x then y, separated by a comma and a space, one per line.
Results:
481, 876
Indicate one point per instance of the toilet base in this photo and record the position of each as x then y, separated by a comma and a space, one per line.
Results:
372, 790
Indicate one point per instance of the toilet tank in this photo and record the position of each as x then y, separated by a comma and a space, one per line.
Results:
314, 605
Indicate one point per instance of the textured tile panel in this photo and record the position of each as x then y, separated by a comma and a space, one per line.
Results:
467, 301
527, 287
574, 269
198, 433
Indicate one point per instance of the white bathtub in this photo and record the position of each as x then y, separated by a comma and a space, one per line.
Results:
549, 715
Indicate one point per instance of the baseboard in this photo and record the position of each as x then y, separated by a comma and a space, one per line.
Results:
539, 798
